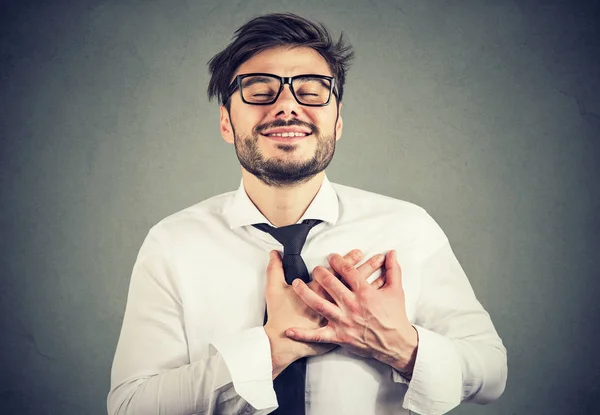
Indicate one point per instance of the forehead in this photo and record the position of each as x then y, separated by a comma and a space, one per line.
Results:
286, 61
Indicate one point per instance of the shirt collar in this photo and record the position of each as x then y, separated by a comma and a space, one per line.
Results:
240, 211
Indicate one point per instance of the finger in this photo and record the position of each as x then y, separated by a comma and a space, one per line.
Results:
335, 288
379, 282
275, 275
370, 266
321, 335
347, 271
354, 256
321, 306
393, 273
320, 291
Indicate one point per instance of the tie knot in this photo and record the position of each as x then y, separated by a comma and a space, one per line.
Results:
292, 237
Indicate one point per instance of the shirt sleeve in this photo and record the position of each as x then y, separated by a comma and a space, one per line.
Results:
152, 372
460, 356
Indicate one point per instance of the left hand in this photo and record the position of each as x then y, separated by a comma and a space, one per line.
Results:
369, 322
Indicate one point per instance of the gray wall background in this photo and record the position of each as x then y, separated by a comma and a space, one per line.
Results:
486, 113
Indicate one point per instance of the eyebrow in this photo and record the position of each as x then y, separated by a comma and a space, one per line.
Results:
323, 81
256, 80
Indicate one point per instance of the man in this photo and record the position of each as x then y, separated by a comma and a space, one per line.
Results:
400, 332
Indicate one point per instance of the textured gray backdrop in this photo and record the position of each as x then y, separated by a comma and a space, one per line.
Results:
486, 113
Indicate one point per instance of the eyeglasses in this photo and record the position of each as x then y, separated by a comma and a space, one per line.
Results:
264, 88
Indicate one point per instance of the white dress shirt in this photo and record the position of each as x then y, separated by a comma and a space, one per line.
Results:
193, 342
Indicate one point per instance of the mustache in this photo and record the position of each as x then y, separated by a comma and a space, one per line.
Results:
282, 123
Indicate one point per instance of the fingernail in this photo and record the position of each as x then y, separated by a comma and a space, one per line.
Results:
357, 254
329, 257
290, 333
380, 258
296, 282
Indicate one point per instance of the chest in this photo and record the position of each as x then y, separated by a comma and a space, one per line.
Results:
223, 279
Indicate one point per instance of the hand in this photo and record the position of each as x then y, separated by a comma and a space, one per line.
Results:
375, 262
284, 308
370, 322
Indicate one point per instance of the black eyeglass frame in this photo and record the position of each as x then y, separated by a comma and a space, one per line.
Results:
237, 84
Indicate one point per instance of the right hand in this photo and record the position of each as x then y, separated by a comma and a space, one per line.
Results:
285, 309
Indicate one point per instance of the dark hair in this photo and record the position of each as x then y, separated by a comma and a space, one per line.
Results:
272, 30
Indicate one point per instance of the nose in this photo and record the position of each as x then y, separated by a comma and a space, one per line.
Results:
286, 105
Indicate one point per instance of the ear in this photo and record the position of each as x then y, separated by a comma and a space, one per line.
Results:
225, 125
339, 125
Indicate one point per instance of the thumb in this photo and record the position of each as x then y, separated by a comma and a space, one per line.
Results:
393, 272
275, 275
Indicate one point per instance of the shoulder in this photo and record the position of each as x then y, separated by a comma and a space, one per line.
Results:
193, 221
390, 214
370, 203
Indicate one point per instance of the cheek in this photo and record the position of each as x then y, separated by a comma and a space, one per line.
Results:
327, 123
325, 119
245, 121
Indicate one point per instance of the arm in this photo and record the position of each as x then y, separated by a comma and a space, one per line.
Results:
451, 352
460, 356
152, 372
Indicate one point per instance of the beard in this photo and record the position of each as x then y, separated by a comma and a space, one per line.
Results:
278, 172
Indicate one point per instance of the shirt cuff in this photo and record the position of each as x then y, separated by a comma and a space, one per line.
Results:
436, 383
247, 355
399, 378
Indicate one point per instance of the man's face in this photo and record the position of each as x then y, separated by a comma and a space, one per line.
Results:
278, 160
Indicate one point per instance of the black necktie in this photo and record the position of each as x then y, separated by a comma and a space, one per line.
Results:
290, 384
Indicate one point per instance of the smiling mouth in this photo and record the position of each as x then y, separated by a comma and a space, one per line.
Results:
287, 135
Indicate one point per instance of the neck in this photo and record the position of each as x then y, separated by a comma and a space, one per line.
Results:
282, 206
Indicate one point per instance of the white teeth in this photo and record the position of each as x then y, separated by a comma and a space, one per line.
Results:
290, 134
